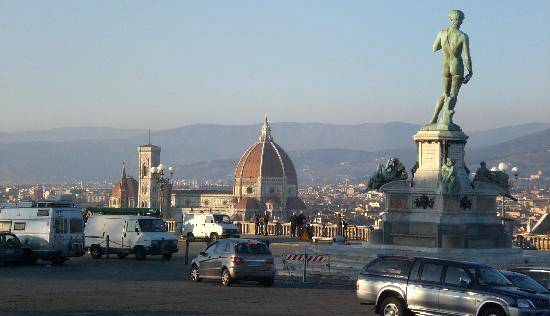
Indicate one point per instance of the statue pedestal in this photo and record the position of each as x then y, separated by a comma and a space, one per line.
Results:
420, 212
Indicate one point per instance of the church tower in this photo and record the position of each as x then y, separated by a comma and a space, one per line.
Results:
148, 157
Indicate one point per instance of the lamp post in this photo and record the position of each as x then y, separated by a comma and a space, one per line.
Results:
503, 167
162, 181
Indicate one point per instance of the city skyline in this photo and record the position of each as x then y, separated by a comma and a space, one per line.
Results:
102, 64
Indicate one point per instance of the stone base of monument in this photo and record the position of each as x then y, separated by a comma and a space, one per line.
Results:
438, 207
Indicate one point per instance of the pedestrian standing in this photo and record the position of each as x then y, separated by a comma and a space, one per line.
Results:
266, 223
293, 225
256, 224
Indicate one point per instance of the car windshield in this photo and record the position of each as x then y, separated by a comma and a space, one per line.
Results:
489, 276
252, 248
525, 282
151, 225
222, 219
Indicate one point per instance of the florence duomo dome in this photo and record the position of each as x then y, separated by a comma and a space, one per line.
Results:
265, 179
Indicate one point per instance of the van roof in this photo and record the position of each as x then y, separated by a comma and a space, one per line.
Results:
123, 217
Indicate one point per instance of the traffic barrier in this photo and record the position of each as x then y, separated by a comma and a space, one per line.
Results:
297, 257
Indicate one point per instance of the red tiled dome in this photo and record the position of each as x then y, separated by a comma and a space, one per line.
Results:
266, 159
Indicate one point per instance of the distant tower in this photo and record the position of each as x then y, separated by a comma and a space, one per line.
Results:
148, 156
123, 188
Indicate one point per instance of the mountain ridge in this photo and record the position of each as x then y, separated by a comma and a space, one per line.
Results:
91, 159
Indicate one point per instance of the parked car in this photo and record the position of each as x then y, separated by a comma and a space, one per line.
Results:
210, 227
140, 235
525, 282
52, 230
540, 274
234, 259
397, 285
12, 252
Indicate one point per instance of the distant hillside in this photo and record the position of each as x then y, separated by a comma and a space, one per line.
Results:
530, 153
503, 134
320, 151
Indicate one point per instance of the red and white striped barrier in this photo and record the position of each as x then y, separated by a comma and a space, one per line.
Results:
296, 257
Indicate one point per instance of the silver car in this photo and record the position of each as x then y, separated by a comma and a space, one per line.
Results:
233, 259
429, 286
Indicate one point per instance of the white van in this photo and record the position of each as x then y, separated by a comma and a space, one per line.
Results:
140, 235
208, 226
52, 230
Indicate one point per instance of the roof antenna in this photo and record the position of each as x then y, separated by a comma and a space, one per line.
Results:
149, 136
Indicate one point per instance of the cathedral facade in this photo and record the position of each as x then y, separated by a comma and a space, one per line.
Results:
125, 192
265, 180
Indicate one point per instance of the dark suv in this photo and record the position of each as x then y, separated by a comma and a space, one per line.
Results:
11, 251
443, 287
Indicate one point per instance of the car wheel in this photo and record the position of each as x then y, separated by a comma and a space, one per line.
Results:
492, 311
96, 252
167, 255
195, 276
140, 253
57, 260
268, 282
214, 237
392, 306
226, 277
122, 255
190, 237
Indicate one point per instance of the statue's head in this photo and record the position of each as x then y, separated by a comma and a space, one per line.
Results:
483, 164
456, 17
449, 162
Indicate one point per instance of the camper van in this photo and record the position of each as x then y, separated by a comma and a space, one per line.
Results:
126, 234
208, 226
53, 231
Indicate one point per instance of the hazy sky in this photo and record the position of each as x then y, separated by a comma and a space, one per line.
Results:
161, 64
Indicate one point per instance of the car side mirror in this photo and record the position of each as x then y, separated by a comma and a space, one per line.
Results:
202, 253
465, 282
136, 230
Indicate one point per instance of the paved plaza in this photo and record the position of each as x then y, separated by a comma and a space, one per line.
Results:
84, 286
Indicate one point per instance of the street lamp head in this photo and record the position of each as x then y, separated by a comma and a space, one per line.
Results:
171, 169
160, 168
515, 172
502, 167
153, 169
494, 168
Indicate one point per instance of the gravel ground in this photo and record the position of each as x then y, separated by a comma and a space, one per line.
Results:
83, 286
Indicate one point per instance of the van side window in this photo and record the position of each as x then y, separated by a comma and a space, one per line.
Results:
431, 272
220, 247
75, 225
454, 274
19, 226
392, 267
61, 226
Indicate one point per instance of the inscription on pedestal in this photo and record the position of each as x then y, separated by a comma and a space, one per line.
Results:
456, 153
430, 156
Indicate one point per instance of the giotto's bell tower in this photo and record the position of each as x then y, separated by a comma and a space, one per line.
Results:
148, 157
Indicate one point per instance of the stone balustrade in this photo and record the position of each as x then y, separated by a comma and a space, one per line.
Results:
528, 241
283, 229
171, 225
